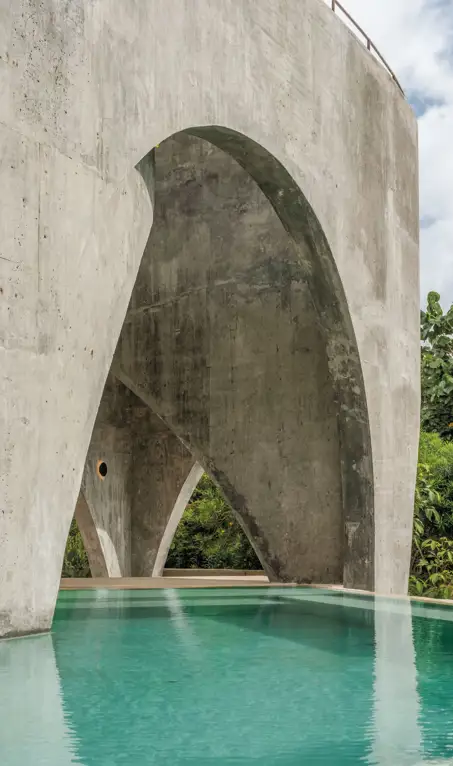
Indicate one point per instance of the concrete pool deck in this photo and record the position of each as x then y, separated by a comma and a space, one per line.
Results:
146, 583
173, 578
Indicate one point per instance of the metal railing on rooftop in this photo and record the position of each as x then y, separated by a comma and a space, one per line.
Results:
369, 44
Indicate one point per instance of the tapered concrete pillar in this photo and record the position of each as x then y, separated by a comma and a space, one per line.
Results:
164, 476
99, 563
106, 490
137, 481
70, 248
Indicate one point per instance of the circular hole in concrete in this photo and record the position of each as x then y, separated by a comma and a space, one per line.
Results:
102, 469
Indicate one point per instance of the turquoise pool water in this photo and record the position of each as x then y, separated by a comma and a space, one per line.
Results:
231, 677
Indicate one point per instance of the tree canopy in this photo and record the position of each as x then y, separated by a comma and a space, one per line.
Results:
209, 535
432, 548
437, 368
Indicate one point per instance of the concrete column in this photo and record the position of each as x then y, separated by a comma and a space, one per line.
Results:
137, 481
194, 476
164, 477
71, 244
106, 484
91, 539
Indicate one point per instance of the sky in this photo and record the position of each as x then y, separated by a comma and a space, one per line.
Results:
416, 38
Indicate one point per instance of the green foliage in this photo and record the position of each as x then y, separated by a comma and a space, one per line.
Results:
208, 535
434, 490
437, 455
75, 562
437, 368
433, 574
436, 452
432, 548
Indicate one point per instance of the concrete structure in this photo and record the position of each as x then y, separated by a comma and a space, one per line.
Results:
273, 328
128, 517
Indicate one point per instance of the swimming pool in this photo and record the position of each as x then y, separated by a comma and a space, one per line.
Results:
230, 677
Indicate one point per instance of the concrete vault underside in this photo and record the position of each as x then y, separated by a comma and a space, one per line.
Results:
206, 267
221, 363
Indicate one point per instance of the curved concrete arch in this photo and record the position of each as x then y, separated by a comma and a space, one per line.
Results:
190, 484
123, 516
296, 84
313, 520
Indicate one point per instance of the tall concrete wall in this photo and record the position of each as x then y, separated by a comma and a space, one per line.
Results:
87, 91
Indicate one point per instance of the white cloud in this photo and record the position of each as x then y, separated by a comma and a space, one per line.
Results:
416, 38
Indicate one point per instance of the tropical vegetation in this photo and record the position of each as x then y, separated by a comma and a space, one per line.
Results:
75, 563
432, 547
209, 536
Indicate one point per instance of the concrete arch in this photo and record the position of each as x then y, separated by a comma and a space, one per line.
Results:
190, 484
150, 475
304, 273
128, 519
298, 85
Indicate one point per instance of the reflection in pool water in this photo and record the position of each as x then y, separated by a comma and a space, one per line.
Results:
230, 676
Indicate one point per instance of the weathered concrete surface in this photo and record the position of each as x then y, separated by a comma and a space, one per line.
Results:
165, 536
91, 539
70, 247
165, 475
223, 340
108, 500
328, 137
128, 518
